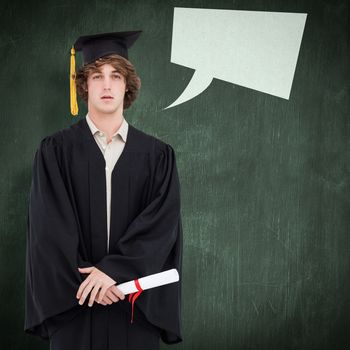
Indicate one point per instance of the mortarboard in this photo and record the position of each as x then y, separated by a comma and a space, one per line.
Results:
94, 47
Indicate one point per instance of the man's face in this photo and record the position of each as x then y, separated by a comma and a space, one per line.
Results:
106, 90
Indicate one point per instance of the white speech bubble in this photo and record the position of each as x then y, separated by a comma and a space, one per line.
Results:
254, 49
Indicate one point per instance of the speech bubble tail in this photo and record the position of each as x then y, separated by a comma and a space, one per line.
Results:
198, 83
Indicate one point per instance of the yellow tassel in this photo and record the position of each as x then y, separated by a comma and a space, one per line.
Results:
73, 87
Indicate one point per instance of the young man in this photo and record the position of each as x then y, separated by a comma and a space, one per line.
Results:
104, 209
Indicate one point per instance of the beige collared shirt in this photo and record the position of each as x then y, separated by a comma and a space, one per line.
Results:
111, 153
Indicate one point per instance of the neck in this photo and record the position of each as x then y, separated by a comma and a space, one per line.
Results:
109, 123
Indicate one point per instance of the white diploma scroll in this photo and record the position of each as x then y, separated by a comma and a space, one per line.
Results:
151, 281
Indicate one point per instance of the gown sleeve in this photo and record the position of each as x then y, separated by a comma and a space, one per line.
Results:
52, 258
153, 243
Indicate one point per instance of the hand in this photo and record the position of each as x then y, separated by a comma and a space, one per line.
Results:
93, 283
113, 294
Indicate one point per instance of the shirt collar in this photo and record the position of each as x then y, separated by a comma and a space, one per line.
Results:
122, 131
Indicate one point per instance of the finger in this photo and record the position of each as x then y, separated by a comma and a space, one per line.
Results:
85, 292
106, 298
82, 287
102, 293
94, 292
103, 302
112, 296
118, 292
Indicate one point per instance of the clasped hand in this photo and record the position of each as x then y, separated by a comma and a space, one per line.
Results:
101, 286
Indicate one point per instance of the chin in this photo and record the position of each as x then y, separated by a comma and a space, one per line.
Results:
107, 109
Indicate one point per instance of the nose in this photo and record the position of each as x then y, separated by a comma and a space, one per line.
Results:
107, 83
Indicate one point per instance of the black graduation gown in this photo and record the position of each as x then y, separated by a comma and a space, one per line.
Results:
67, 228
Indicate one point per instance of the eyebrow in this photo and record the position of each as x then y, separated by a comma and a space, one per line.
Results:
100, 72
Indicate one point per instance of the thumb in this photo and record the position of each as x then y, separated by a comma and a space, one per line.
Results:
85, 269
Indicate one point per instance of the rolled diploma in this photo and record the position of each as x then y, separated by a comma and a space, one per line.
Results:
150, 281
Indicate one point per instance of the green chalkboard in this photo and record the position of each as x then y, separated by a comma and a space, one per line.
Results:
264, 180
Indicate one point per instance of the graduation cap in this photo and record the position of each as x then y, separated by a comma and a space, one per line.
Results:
94, 47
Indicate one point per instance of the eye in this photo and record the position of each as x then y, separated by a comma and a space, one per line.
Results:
116, 76
96, 76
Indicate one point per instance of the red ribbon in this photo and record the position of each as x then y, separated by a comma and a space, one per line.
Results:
134, 296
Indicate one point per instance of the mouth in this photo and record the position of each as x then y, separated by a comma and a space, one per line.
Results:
107, 98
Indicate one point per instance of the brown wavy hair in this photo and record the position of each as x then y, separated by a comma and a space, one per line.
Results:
122, 66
